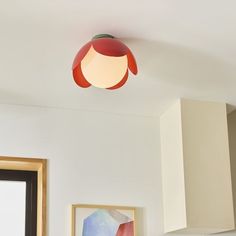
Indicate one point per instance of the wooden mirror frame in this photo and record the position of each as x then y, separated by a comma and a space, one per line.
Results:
40, 166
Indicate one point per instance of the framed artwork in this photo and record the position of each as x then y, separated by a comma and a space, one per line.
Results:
99, 220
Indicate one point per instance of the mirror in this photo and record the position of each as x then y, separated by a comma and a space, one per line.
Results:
22, 196
12, 208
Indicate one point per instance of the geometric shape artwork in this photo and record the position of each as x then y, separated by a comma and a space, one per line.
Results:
104, 222
126, 229
93, 220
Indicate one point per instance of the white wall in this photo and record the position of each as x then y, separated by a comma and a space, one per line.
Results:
94, 158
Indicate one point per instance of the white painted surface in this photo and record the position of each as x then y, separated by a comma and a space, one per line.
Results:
172, 160
203, 150
207, 173
12, 208
184, 48
94, 158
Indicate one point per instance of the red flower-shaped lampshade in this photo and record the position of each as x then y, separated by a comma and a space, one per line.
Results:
103, 62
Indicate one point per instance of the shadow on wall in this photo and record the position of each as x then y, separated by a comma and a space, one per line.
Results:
180, 65
232, 145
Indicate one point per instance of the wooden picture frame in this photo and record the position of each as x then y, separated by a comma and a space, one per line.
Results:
39, 166
90, 219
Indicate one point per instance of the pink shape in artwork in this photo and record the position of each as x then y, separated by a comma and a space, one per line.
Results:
126, 229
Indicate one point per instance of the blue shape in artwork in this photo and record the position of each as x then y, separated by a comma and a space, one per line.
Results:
103, 223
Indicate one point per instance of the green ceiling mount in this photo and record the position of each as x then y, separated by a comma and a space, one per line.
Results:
99, 36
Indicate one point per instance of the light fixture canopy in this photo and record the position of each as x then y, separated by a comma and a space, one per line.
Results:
104, 63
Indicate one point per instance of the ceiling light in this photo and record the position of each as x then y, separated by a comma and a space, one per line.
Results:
103, 62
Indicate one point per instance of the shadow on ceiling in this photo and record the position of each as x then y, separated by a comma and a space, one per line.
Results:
181, 66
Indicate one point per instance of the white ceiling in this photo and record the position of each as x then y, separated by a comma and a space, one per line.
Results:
184, 48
